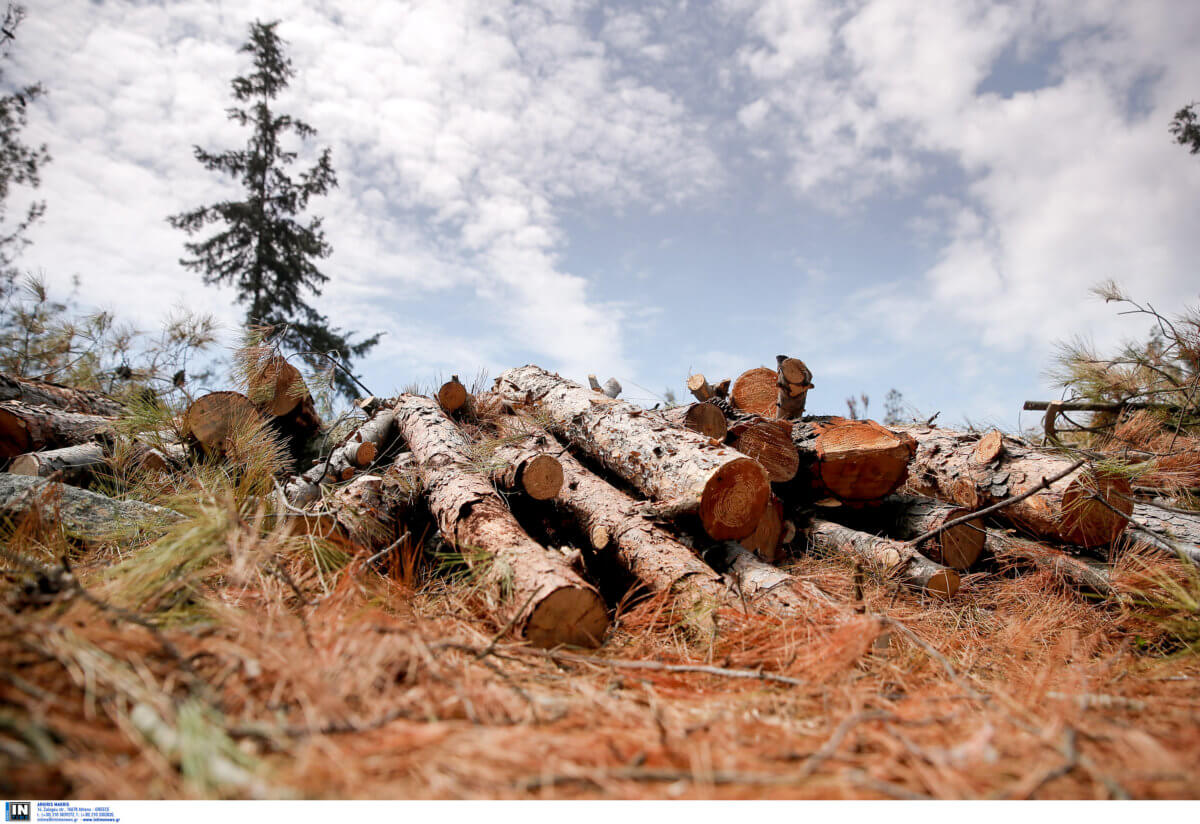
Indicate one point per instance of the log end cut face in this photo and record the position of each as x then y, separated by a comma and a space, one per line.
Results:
769, 443
734, 499
943, 583
542, 477
961, 545
452, 395
575, 616
277, 388
213, 419
756, 392
706, 419
861, 460
1087, 521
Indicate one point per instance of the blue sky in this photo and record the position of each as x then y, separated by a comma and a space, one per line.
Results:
910, 194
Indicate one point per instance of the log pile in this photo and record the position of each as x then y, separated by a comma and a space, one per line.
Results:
699, 503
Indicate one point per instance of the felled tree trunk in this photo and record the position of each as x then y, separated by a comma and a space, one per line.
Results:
764, 587
212, 422
368, 513
27, 428
898, 560
77, 465
851, 461
1184, 530
608, 519
277, 390
698, 385
794, 381
906, 517
756, 392
13, 388
770, 443
548, 603
703, 418
1081, 573
357, 452
975, 472
80, 514
523, 460
680, 468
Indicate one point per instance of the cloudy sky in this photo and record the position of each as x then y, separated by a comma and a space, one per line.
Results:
905, 193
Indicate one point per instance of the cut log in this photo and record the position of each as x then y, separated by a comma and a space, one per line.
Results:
607, 517
1183, 530
41, 393
755, 392
212, 421
523, 460
368, 513
896, 559
704, 418
680, 468
358, 451
545, 600
770, 443
767, 539
1077, 571
909, 516
793, 380
80, 514
698, 385
76, 464
277, 390
452, 395
948, 466
28, 428
852, 461
765, 588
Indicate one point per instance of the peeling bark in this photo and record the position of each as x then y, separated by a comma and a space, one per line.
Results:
898, 560
42, 393
764, 587
547, 601
678, 467
1184, 530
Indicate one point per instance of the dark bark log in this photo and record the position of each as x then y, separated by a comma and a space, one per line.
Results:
547, 602
972, 471
677, 467
1079, 572
703, 418
87, 402
28, 428
80, 514
794, 381
755, 392
770, 443
851, 461
906, 517
896, 559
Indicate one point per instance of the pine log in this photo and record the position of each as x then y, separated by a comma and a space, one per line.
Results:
523, 460
1077, 571
1183, 530
852, 461
767, 539
77, 465
703, 418
27, 428
756, 391
212, 422
677, 467
41, 393
360, 449
277, 389
698, 385
546, 601
905, 517
898, 560
608, 519
770, 443
764, 587
80, 514
793, 380
452, 395
976, 472
368, 513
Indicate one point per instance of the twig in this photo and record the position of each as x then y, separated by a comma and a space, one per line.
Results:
1044, 484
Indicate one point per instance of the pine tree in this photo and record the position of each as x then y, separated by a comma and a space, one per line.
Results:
264, 251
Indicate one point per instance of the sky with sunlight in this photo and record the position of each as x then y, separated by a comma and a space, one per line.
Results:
914, 194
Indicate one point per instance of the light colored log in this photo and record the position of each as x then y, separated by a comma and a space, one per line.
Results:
894, 558
765, 588
1077, 571
522, 460
905, 517
698, 385
793, 382
676, 467
546, 601
1183, 530
755, 392
949, 465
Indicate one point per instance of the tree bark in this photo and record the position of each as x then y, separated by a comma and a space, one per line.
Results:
852, 461
547, 602
523, 460
909, 516
212, 421
698, 385
1182, 529
703, 418
764, 587
370, 440
28, 428
80, 514
770, 443
1081, 573
87, 402
794, 381
368, 513
975, 472
676, 466
898, 560
756, 391
81, 463
607, 517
